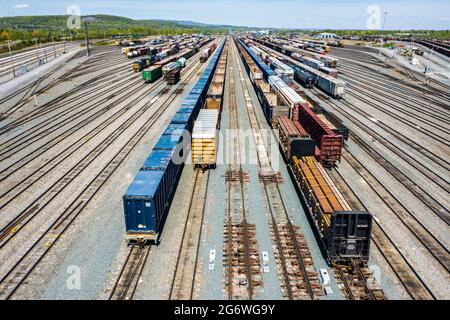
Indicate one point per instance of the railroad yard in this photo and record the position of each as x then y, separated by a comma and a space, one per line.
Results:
234, 167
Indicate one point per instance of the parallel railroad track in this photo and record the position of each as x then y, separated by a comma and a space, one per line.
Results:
61, 100
67, 115
380, 106
417, 228
405, 273
298, 275
424, 195
21, 219
364, 57
183, 282
434, 246
27, 58
25, 264
406, 104
126, 284
358, 283
29, 180
31, 89
241, 254
396, 85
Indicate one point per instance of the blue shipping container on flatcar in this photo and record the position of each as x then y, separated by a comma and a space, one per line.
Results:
144, 204
166, 161
174, 128
181, 118
146, 201
168, 142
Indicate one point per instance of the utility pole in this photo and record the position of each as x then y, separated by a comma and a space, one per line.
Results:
37, 49
384, 20
54, 49
428, 63
87, 38
382, 31
45, 53
86, 20
10, 57
64, 44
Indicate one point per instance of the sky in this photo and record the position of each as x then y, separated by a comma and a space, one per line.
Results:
346, 14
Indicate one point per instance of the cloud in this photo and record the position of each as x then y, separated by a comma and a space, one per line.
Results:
443, 19
22, 5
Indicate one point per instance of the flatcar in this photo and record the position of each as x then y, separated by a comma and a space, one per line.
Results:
344, 234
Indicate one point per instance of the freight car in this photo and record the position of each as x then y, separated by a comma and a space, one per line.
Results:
147, 200
172, 71
205, 139
143, 63
293, 141
206, 53
329, 61
329, 71
303, 77
214, 96
172, 77
344, 234
263, 67
332, 122
281, 68
316, 64
334, 88
329, 144
170, 67
330, 85
289, 97
152, 74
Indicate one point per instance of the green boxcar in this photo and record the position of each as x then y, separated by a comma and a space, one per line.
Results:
188, 54
153, 74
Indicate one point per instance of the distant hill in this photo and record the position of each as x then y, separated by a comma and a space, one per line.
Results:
106, 23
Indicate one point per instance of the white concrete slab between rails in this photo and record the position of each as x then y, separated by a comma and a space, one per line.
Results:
19, 82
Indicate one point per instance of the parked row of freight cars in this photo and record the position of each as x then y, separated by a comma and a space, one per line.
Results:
324, 79
206, 53
205, 139
299, 47
172, 65
152, 59
148, 198
278, 99
343, 233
